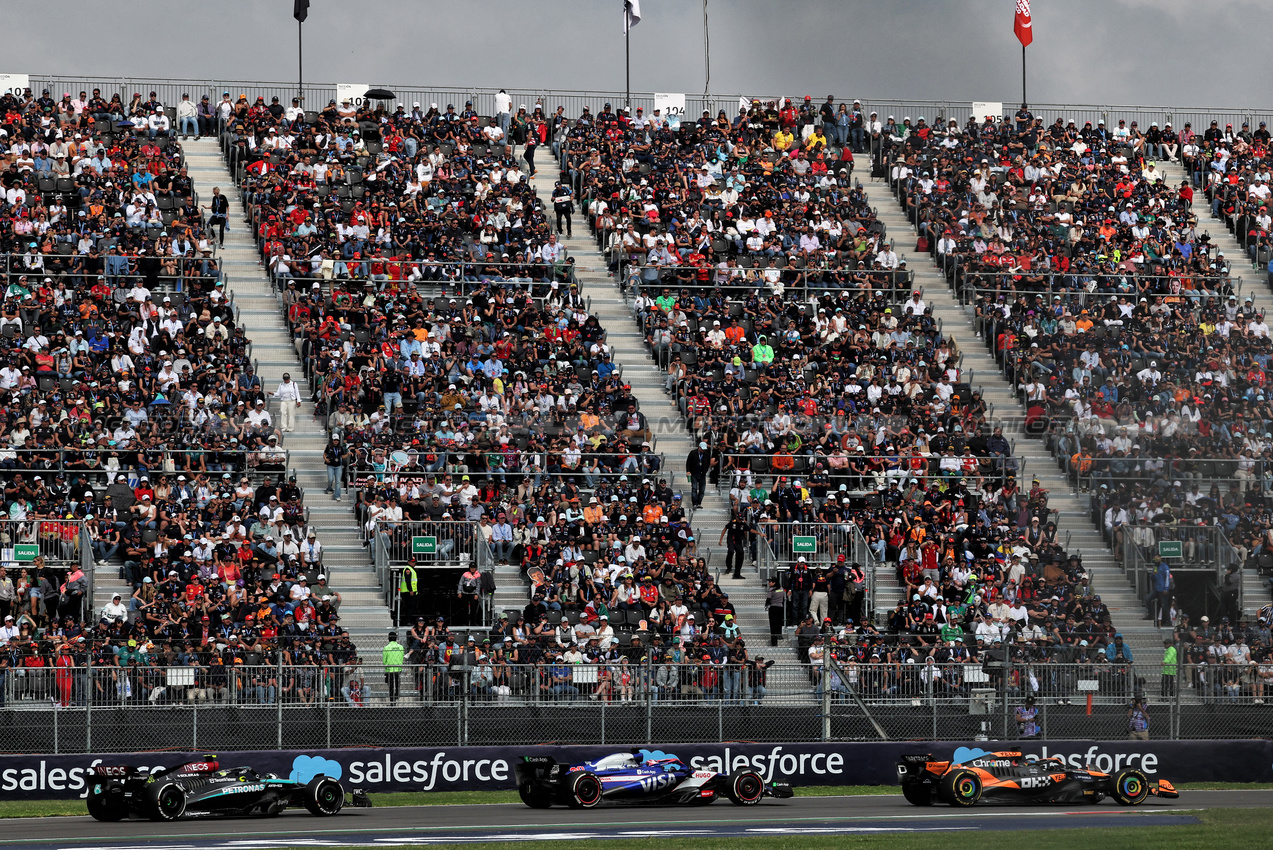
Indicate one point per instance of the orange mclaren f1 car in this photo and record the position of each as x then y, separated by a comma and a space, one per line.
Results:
1011, 778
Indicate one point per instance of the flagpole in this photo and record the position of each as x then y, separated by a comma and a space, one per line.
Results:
627, 57
300, 62
1023, 97
707, 55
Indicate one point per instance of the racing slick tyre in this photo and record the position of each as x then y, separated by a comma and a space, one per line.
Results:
535, 796
324, 796
167, 801
917, 794
960, 787
584, 791
746, 787
1130, 787
101, 807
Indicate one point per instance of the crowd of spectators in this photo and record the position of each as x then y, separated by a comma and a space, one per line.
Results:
135, 425
492, 411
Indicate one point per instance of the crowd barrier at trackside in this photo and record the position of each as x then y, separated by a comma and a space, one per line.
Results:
490, 768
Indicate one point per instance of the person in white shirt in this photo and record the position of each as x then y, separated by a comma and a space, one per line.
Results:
111, 611
158, 124
289, 396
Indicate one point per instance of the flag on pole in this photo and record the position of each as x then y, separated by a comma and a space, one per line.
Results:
1023, 26
631, 14
300, 10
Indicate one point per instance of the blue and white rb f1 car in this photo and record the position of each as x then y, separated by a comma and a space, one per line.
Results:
639, 776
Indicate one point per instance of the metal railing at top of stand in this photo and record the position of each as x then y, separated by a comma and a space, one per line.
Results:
317, 94
1072, 289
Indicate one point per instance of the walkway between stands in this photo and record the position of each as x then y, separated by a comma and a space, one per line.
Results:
595, 282
362, 612
1107, 578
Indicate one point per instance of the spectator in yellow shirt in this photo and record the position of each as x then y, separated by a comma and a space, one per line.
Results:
783, 140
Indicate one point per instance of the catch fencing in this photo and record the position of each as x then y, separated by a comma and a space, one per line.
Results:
141, 707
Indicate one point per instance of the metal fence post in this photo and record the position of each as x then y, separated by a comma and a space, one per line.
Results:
459, 723
1007, 688
603, 719
720, 720
88, 703
328, 705
278, 698
826, 696
56, 742
194, 727
649, 700
1175, 697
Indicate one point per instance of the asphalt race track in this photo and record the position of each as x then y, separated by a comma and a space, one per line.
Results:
508, 821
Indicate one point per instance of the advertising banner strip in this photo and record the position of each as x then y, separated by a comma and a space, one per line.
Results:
491, 768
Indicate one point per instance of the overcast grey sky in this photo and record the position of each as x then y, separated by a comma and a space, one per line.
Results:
1147, 52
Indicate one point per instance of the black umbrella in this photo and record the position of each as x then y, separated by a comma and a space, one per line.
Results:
379, 94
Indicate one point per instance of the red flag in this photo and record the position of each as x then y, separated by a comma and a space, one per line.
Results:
1023, 26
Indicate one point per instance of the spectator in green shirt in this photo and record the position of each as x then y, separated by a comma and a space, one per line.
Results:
762, 355
1168, 669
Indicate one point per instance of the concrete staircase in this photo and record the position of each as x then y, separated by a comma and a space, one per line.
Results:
362, 613
1107, 578
671, 437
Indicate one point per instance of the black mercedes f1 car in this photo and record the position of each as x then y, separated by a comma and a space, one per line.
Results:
1009, 777
204, 789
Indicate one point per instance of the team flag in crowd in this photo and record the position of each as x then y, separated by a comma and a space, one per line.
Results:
1023, 26
300, 10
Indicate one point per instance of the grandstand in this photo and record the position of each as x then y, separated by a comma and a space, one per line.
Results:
507, 358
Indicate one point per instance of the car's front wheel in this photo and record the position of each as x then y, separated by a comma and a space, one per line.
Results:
167, 802
746, 787
960, 787
324, 796
1130, 787
585, 791
535, 796
102, 806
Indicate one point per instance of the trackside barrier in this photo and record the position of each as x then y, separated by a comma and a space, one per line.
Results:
450, 768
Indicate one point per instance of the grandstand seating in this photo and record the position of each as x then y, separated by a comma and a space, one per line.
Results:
453, 356
136, 431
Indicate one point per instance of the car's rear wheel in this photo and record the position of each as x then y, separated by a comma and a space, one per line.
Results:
585, 791
324, 796
535, 796
918, 794
167, 802
960, 787
746, 787
101, 805
1130, 787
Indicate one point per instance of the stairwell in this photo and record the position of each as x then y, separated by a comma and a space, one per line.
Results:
346, 563
1107, 578
671, 437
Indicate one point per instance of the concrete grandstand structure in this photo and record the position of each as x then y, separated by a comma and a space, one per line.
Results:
749, 281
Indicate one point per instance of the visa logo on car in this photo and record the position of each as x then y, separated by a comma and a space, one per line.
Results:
656, 783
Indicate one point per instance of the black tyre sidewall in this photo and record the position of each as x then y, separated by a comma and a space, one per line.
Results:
735, 793
313, 802
586, 780
1117, 793
173, 791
